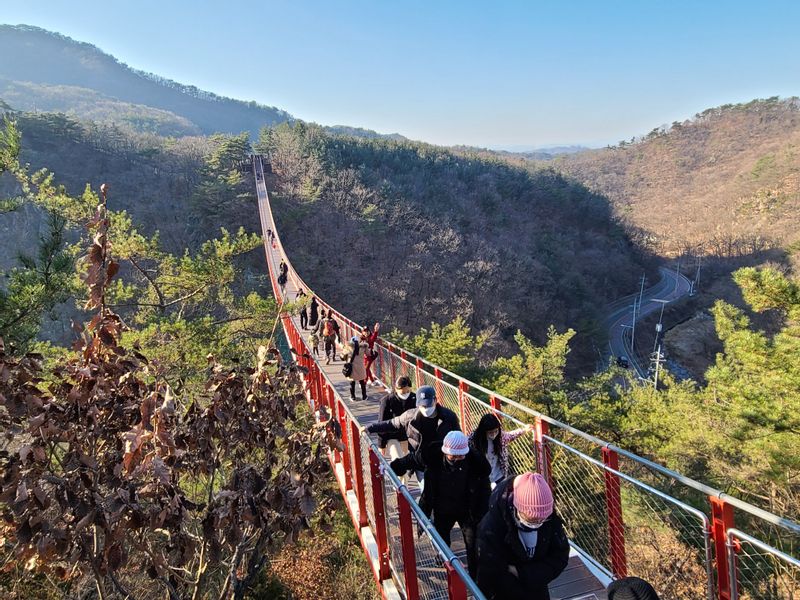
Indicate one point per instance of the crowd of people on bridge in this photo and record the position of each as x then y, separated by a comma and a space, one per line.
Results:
516, 542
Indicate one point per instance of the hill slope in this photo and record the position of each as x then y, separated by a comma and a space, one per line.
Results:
721, 180
43, 57
409, 233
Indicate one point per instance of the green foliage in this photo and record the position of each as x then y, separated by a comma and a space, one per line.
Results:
535, 377
450, 346
41, 282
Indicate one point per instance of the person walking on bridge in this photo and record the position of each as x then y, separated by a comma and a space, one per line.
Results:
313, 312
492, 442
358, 373
456, 487
394, 444
301, 297
372, 354
429, 422
522, 545
328, 328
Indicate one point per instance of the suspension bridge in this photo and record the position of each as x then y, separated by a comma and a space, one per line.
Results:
625, 515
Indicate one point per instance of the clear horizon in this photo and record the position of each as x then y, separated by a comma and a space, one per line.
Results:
515, 74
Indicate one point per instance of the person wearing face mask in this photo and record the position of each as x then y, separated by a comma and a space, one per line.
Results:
394, 404
456, 487
492, 442
428, 422
522, 544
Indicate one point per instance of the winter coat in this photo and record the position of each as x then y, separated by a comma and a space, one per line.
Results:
468, 502
313, 313
359, 372
412, 423
394, 406
499, 547
505, 439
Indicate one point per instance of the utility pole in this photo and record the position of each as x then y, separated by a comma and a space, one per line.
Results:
633, 324
696, 280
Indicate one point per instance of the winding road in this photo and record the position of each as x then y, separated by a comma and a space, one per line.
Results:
672, 286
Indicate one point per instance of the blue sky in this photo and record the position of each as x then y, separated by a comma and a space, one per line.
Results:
482, 73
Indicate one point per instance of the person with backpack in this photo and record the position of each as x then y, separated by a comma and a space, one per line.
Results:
522, 544
456, 487
492, 442
429, 422
394, 444
353, 356
327, 328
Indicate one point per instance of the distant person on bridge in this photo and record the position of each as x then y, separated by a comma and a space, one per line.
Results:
394, 444
313, 312
328, 328
283, 277
522, 545
631, 588
301, 296
358, 373
456, 487
429, 422
492, 442
372, 354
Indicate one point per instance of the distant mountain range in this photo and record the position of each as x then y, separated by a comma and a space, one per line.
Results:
54, 73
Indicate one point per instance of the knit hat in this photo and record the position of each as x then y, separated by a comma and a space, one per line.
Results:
532, 495
631, 588
455, 443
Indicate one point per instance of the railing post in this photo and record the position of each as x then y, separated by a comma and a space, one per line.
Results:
393, 365
348, 481
358, 470
721, 521
541, 429
462, 405
380, 516
403, 363
409, 550
616, 525
420, 380
495, 403
456, 590
438, 383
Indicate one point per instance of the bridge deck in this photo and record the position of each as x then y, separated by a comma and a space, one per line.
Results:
576, 583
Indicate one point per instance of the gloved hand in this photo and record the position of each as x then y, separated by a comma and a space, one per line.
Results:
397, 467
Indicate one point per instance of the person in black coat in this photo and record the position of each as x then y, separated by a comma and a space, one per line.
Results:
393, 405
522, 545
313, 312
428, 422
456, 487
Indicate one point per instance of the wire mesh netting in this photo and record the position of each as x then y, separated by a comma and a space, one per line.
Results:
665, 543
431, 572
762, 573
369, 501
393, 533
580, 496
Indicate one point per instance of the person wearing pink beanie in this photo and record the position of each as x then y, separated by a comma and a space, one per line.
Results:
522, 544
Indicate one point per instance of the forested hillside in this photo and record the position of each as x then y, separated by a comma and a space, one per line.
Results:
43, 57
409, 233
724, 183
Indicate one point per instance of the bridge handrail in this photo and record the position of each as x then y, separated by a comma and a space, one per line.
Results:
496, 401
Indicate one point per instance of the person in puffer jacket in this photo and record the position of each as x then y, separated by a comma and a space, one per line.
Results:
522, 545
456, 487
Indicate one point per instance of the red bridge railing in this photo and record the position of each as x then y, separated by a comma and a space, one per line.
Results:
626, 515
